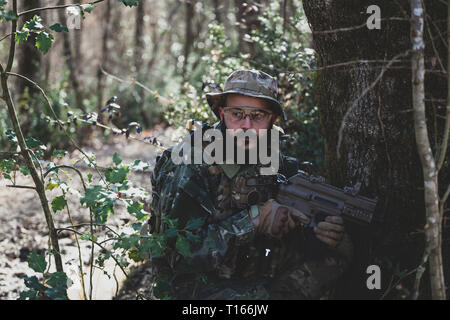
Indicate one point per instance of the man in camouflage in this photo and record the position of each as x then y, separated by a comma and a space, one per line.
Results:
250, 246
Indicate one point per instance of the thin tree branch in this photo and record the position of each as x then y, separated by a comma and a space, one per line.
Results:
57, 7
21, 187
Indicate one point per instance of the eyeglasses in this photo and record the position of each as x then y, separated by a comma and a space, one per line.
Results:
240, 113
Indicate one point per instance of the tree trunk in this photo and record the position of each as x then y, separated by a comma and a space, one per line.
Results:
189, 36
378, 145
217, 11
138, 62
104, 57
433, 244
29, 57
68, 56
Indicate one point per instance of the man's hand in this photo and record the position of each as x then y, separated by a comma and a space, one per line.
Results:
276, 220
331, 231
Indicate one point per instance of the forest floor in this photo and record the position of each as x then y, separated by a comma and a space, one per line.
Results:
23, 228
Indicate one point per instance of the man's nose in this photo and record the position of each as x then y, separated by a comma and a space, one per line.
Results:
246, 123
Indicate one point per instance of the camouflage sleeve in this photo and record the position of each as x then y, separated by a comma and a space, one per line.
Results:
184, 197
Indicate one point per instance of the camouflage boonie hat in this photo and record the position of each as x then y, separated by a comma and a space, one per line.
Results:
251, 83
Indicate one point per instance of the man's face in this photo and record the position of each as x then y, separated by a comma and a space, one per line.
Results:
246, 113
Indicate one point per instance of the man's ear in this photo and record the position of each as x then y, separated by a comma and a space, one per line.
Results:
221, 113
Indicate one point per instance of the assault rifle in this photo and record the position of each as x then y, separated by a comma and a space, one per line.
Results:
316, 199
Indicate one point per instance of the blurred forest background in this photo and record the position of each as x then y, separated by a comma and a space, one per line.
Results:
155, 58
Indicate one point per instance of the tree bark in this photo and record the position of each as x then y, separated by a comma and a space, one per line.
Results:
104, 57
433, 244
29, 57
189, 35
68, 56
378, 144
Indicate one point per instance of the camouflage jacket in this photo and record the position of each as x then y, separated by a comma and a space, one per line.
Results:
231, 260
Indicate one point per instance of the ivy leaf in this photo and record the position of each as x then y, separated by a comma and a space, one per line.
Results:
87, 7
24, 169
91, 196
11, 135
8, 16
33, 283
183, 247
44, 41
34, 24
170, 233
37, 262
32, 143
117, 175
29, 295
58, 279
192, 237
59, 153
89, 175
130, 3
116, 159
136, 208
58, 203
194, 224
59, 28
88, 236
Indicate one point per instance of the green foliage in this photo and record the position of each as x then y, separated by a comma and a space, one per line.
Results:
52, 287
59, 28
283, 53
130, 3
59, 203
37, 262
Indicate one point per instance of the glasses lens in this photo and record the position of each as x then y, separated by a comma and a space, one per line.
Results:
239, 114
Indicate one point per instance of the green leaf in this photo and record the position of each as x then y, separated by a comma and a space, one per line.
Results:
59, 28
52, 184
128, 242
117, 175
8, 16
87, 7
24, 169
91, 196
32, 142
58, 203
116, 159
170, 233
137, 226
22, 35
192, 237
29, 295
59, 153
88, 236
130, 3
136, 208
58, 279
34, 24
183, 246
194, 224
44, 41
89, 175
33, 283
11, 135
37, 262
3, 3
